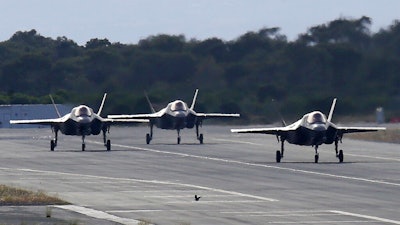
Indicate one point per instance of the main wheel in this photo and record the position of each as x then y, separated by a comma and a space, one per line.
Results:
340, 156
316, 158
179, 140
108, 145
52, 145
148, 138
201, 138
278, 156
83, 147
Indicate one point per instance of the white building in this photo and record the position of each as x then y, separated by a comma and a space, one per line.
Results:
27, 112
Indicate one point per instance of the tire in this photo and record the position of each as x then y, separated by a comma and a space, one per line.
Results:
148, 138
341, 156
52, 145
278, 156
108, 145
201, 138
83, 147
316, 158
179, 140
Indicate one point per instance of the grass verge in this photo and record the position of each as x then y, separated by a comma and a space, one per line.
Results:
16, 196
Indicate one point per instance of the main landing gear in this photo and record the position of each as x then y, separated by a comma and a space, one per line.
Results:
279, 154
200, 137
149, 137
107, 143
53, 143
339, 154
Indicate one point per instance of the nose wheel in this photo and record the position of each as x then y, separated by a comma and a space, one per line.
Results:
316, 157
179, 136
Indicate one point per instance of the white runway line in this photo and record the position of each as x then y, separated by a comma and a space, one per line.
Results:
366, 217
192, 186
261, 165
98, 214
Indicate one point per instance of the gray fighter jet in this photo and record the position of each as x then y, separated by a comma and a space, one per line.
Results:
81, 121
176, 116
314, 129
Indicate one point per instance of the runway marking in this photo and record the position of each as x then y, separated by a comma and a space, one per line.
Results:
261, 165
147, 181
370, 219
183, 196
366, 217
98, 214
236, 141
364, 156
374, 157
216, 201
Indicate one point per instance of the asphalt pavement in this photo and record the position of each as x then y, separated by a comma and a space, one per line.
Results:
235, 174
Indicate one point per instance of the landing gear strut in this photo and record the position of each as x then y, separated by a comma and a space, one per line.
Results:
200, 137
316, 157
107, 143
339, 154
279, 154
83, 143
149, 137
53, 143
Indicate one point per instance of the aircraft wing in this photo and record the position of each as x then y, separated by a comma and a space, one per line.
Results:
39, 121
271, 130
281, 131
136, 116
344, 130
216, 115
125, 121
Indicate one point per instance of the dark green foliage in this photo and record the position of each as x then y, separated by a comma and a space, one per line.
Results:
339, 59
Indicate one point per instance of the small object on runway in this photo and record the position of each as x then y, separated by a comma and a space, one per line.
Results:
197, 198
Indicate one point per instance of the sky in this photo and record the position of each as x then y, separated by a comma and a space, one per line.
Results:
128, 21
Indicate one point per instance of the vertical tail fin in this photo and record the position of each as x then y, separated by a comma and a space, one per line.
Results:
55, 106
148, 101
332, 109
194, 99
102, 104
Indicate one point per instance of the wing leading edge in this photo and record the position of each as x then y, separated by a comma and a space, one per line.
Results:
39, 121
346, 130
216, 115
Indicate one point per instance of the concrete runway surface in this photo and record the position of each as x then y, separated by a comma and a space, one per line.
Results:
235, 174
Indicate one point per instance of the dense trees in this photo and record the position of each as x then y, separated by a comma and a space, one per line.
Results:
342, 58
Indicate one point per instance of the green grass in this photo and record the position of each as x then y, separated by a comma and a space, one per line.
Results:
17, 196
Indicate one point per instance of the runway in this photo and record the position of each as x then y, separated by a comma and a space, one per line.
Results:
235, 174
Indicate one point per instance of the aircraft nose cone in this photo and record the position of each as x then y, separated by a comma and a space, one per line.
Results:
83, 119
318, 127
180, 114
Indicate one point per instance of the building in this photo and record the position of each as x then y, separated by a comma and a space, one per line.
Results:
27, 112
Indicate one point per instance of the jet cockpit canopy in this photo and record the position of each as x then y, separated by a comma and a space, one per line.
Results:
316, 117
178, 106
82, 110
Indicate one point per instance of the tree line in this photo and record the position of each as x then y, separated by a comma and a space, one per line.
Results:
341, 58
